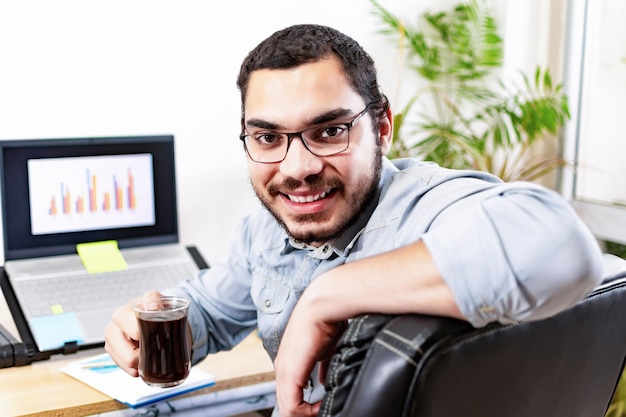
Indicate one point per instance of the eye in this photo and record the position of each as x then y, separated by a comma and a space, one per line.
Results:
267, 138
328, 133
331, 131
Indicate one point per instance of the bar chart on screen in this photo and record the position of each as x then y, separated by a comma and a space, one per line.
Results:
90, 192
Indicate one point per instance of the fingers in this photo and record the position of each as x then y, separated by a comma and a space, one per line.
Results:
151, 300
123, 350
303, 410
292, 377
307, 339
291, 404
122, 336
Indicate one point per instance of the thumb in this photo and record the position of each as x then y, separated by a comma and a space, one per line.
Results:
152, 300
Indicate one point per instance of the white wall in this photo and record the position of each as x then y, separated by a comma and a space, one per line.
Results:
71, 68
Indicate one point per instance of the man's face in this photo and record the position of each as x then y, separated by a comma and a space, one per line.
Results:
314, 198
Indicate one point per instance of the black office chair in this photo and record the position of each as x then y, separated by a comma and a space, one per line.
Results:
423, 366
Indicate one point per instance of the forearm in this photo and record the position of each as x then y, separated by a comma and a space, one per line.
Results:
404, 280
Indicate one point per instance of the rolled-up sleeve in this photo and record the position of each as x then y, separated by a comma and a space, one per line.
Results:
514, 252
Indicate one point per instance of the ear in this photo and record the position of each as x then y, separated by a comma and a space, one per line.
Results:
385, 130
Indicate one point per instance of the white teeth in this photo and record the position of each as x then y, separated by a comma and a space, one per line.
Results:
307, 199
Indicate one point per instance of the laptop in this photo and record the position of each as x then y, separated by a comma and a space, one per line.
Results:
113, 197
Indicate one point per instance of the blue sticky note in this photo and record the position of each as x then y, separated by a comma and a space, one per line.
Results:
52, 332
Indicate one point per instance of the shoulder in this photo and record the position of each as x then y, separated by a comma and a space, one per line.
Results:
429, 174
412, 189
409, 178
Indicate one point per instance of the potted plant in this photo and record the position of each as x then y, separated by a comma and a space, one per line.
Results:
464, 116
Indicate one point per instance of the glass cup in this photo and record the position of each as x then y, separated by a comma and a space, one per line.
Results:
163, 348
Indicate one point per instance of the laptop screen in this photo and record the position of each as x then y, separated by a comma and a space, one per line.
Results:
60, 192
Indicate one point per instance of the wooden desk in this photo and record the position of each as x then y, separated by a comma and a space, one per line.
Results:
42, 389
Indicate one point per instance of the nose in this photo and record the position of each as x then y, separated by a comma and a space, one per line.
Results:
299, 162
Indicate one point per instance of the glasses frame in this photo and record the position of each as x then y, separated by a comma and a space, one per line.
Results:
243, 137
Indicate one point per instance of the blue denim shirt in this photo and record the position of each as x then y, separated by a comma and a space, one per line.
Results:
509, 252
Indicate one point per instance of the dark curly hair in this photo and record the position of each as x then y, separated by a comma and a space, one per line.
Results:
301, 44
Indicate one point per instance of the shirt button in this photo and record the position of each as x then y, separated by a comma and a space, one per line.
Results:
268, 303
325, 248
488, 309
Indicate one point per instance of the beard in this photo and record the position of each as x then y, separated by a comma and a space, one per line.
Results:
363, 193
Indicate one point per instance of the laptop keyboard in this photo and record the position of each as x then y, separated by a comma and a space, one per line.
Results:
82, 292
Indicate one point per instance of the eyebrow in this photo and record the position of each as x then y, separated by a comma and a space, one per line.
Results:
326, 117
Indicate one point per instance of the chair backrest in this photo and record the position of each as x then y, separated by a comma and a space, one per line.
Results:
422, 366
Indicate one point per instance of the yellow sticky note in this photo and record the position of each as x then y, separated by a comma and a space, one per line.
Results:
56, 309
101, 256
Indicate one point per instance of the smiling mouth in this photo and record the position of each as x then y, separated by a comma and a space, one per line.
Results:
309, 198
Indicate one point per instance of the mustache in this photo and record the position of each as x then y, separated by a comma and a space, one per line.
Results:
314, 182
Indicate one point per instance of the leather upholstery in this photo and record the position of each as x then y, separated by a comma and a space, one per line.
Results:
423, 366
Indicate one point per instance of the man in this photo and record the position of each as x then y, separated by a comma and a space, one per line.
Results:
346, 231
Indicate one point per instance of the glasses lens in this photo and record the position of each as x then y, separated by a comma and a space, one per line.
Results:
267, 146
327, 140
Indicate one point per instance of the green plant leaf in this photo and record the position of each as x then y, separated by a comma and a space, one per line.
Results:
465, 117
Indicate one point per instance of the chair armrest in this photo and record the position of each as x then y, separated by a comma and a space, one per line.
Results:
396, 345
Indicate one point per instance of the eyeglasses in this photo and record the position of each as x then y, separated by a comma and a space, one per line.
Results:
268, 147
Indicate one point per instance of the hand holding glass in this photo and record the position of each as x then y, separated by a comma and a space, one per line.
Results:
163, 348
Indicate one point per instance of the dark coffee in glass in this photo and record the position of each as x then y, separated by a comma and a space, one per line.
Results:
163, 349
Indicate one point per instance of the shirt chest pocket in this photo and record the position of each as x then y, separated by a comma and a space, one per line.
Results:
269, 296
